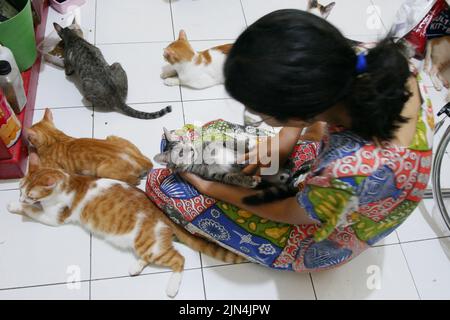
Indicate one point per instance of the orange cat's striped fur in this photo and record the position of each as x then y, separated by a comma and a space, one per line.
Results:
113, 210
113, 158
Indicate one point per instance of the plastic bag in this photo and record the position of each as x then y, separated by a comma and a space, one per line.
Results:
419, 20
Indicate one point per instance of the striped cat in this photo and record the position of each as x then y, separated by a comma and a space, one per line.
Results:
105, 86
114, 211
113, 157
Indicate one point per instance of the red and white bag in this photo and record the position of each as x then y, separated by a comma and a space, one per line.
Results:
419, 20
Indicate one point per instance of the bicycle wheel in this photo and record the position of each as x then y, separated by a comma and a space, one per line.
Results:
436, 176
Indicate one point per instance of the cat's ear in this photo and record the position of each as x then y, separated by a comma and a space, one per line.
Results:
170, 55
32, 136
48, 116
327, 9
169, 136
312, 4
162, 158
33, 162
58, 28
182, 35
50, 182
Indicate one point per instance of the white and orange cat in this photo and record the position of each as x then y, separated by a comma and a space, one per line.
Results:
113, 157
112, 210
187, 67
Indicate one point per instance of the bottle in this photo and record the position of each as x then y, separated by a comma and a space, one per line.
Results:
12, 86
10, 126
7, 55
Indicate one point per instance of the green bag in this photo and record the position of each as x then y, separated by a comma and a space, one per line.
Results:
17, 33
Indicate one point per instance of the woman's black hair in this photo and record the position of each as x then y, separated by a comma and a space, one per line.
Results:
292, 64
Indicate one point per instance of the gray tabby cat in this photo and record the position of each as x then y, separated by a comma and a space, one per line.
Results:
105, 86
217, 161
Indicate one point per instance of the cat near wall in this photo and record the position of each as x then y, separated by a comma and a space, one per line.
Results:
113, 210
187, 67
113, 157
103, 85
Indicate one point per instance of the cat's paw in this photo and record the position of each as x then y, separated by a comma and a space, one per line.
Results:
15, 207
174, 284
172, 82
135, 269
256, 180
167, 74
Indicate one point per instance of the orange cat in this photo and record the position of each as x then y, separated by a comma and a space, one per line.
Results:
114, 158
113, 210
194, 69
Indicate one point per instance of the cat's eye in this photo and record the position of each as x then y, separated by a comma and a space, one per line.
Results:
181, 153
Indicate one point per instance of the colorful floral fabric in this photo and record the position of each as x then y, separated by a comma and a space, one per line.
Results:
358, 193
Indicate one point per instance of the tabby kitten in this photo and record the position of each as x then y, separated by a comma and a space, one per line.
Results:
113, 158
105, 86
112, 210
218, 161
316, 8
212, 160
197, 70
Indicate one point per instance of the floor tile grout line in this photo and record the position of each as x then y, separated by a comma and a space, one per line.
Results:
42, 285
168, 41
379, 16
243, 13
171, 18
410, 272
92, 134
139, 103
203, 276
312, 283
95, 25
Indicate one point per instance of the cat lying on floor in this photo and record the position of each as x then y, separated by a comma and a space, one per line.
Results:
114, 211
197, 70
113, 158
105, 86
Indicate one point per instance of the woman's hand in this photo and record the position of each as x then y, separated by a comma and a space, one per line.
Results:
280, 145
199, 183
286, 210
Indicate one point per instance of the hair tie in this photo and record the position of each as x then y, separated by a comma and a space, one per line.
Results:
361, 63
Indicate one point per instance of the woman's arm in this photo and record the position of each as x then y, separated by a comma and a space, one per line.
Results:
286, 210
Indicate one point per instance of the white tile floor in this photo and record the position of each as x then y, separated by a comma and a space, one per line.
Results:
37, 261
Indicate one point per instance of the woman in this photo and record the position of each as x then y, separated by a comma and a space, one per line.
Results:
295, 69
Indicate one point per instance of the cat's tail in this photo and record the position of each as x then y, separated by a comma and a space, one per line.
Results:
204, 246
269, 194
126, 109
